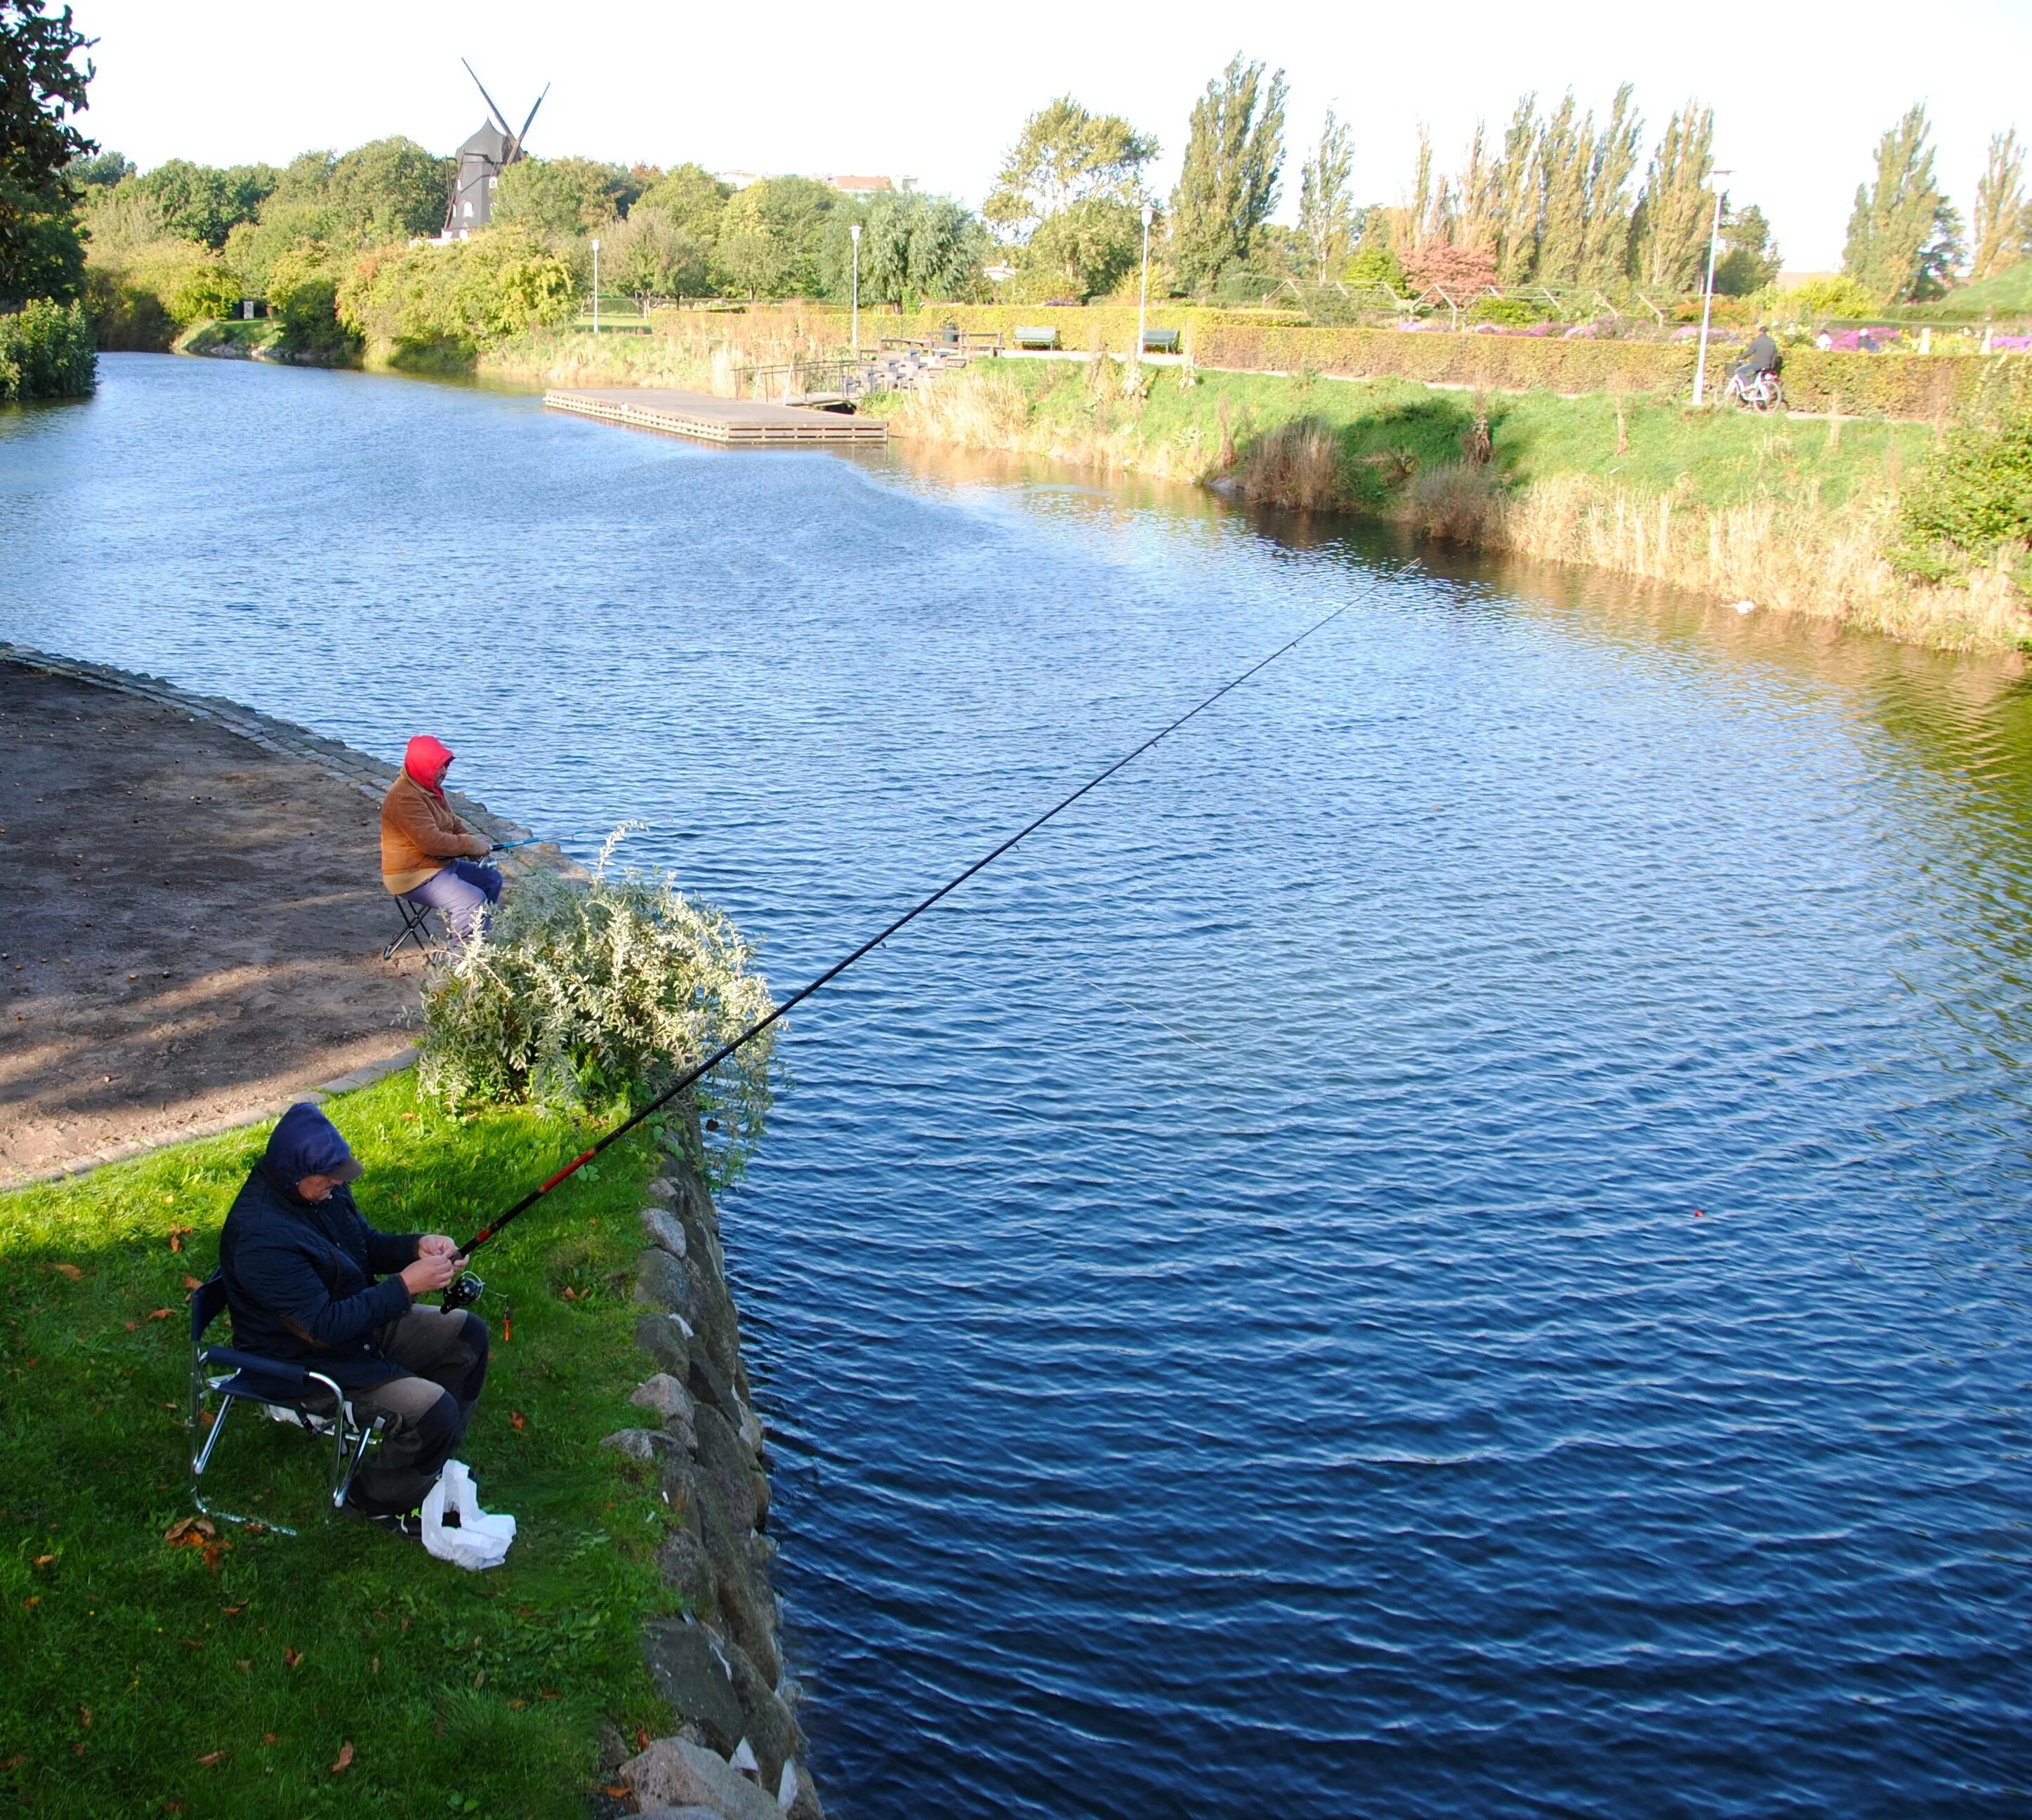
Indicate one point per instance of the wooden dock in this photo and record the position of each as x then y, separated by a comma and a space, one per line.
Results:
740, 423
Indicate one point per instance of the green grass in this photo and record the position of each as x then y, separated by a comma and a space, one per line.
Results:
1714, 458
128, 1662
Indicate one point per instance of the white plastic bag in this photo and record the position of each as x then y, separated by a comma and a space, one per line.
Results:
476, 1540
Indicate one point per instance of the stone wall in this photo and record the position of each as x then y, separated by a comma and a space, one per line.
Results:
736, 1749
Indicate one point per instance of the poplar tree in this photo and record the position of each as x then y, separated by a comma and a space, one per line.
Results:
1519, 187
1566, 156
1325, 213
1235, 153
1903, 234
1480, 193
1605, 259
2003, 216
1674, 215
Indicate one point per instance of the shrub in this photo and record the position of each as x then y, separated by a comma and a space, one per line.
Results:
596, 995
1460, 502
125, 314
1972, 499
1296, 465
1837, 295
497, 284
46, 352
1508, 312
303, 291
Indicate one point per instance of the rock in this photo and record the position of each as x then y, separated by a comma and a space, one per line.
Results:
722, 1454
613, 1747
645, 1443
663, 1191
711, 1386
681, 1814
662, 1282
670, 1399
683, 1564
664, 1231
663, 1336
770, 1733
806, 1806
673, 1773
696, 1679
747, 1607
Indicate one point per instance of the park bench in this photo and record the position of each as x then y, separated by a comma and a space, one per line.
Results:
1160, 341
1035, 336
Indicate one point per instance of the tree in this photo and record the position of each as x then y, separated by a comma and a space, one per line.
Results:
689, 197
1565, 158
1235, 153
1749, 259
1674, 216
1065, 156
1605, 259
2002, 215
1326, 213
203, 202
97, 170
1089, 246
40, 87
913, 247
389, 189
771, 236
1518, 189
652, 254
561, 198
1903, 234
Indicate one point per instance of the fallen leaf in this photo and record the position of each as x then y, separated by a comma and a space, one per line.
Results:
44, 1561
550, 1694
84, 1717
641, 1737
160, 1313
192, 1643
243, 1667
15, 1763
234, 1610
617, 1790
211, 1757
36, 1599
178, 1234
69, 1270
292, 1657
517, 1421
344, 1758
132, 1326
192, 1282
268, 1737
571, 1295
517, 1705
77, 1749
375, 1667
190, 1532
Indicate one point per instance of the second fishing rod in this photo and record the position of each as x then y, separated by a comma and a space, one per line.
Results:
467, 1288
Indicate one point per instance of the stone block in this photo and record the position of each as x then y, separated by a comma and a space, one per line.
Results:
644, 1443
665, 1230
693, 1675
663, 1338
665, 1397
682, 1563
662, 1282
675, 1773
723, 1454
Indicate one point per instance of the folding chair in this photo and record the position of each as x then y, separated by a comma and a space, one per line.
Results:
290, 1393
416, 928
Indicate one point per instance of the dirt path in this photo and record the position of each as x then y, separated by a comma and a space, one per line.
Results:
191, 918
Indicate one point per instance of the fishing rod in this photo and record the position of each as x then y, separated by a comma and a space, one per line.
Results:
468, 1288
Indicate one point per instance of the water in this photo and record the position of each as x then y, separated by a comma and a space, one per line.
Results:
1452, 1242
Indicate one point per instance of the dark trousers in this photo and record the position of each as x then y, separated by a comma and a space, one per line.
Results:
427, 1411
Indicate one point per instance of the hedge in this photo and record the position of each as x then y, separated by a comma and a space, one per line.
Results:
1085, 328
1926, 386
46, 352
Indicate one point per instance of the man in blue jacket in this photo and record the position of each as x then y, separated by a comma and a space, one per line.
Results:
309, 1281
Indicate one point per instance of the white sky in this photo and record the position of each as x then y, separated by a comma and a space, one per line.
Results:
939, 95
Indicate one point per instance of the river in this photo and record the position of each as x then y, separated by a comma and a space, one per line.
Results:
1453, 1242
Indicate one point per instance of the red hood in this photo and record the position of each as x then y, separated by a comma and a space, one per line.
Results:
426, 761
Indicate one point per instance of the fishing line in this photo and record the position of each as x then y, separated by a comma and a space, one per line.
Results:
467, 1288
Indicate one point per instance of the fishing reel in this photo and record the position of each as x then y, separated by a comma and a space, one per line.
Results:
462, 1291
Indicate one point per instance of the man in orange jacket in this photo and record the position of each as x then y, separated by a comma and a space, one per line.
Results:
427, 854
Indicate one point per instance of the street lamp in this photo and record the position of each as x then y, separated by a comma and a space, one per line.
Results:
595, 286
1707, 301
1143, 289
854, 234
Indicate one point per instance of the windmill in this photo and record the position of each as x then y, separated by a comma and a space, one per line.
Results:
480, 163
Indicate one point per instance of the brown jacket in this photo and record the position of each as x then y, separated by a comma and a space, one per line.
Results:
418, 834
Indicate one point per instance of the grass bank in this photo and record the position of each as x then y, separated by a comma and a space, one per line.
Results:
144, 1679
1793, 512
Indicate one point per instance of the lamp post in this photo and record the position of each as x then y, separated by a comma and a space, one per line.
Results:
1143, 289
854, 234
1707, 301
596, 286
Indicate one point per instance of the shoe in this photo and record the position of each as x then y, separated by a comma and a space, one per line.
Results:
407, 1524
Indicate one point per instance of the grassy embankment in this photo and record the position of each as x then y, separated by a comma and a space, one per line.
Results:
1793, 513
146, 1678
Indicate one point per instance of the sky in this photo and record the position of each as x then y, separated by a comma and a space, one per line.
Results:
941, 95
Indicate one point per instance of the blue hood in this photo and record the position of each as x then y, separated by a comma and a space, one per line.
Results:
305, 1142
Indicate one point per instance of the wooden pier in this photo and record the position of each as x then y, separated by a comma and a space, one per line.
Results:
739, 423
